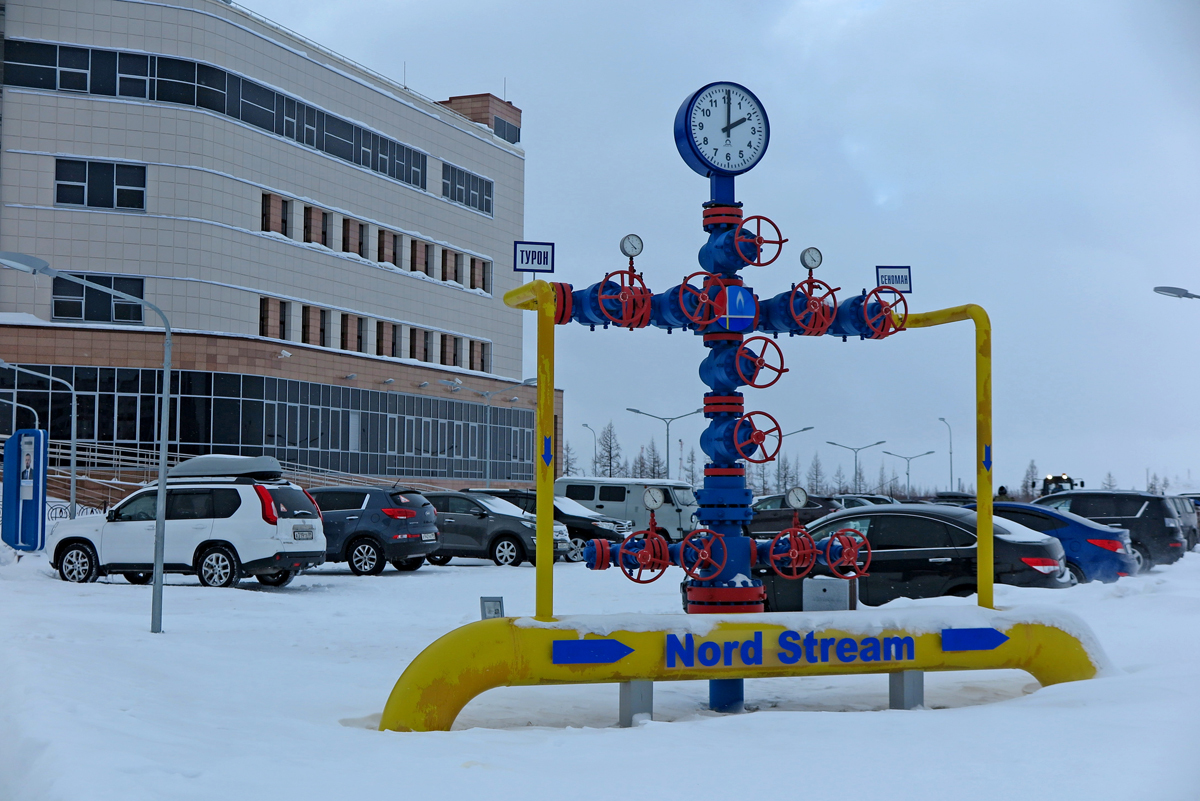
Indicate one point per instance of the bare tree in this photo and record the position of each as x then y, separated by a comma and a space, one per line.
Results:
1029, 486
569, 466
654, 464
608, 454
1109, 482
638, 468
689, 468
815, 477
838, 484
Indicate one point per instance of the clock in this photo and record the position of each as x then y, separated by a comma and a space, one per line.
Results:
631, 245
811, 258
722, 129
796, 498
653, 498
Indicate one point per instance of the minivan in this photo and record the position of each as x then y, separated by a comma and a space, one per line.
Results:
622, 498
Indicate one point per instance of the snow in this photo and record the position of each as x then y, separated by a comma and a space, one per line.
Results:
277, 693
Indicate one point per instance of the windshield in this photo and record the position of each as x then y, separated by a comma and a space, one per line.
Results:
684, 496
292, 502
570, 507
500, 506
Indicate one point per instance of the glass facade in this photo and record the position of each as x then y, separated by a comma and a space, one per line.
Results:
351, 430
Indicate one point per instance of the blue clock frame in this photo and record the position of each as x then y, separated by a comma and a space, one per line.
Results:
720, 180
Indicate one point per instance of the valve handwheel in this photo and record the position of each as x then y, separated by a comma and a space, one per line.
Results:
743, 235
706, 310
852, 543
820, 314
633, 296
883, 322
652, 560
801, 553
760, 361
758, 436
704, 551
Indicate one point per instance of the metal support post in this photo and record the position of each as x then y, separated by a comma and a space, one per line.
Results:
636, 702
906, 689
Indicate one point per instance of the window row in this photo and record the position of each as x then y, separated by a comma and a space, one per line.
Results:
506, 130
99, 184
171, 80
71, 301
466, 188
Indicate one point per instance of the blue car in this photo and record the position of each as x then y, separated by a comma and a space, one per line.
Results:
1095, 552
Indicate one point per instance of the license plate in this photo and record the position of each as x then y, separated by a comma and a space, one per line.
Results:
429, 535
302, 533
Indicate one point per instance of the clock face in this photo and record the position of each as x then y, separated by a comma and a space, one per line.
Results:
631, 245
811, 258
653, 498
728, 127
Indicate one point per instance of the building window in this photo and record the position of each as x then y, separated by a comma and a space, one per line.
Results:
285, 209
264, 317
324, 328
70, 301
506, 130
395, 340
362, 240
428, 352
283, 319
397, 241
345, 342
379, 337
325, 228
466, 188
305, 326
354, 237
266, 212
99, 184
360, 335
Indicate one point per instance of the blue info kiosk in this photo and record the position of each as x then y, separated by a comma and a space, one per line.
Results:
26, 461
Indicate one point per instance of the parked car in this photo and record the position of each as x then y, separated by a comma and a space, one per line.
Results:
622, 498
849, 501
1152, 521
226, 517
1094, 552
583, 525
925, 551
772, 514
1186, 508
370, 526
482, 526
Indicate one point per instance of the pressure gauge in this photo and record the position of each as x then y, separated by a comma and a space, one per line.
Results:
631, 245
797, 498
653, 498
811, 258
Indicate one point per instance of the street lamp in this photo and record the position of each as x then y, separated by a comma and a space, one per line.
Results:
1174, 292
907, 465
487, 396
36, 266
33, 411
856, 450
798, 431
950, 431
71, 387
595, 445
668, 421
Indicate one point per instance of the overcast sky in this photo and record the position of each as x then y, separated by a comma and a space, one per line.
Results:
1040, 159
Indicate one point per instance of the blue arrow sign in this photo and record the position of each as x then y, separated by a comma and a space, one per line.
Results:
987, 457
972, 639
547, 451
588, 652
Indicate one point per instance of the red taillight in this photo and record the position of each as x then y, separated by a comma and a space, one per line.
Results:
1109, 545
1122, 575
400, 514
1175, 544
316, 505
1042, 564
268, 504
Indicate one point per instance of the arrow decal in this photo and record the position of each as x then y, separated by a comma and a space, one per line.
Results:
588, 652
972, 639
547, 451
987, 458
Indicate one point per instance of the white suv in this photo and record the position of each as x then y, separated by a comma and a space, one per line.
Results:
227, 517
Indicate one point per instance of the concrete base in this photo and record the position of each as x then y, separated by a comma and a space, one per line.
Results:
829, 594
906, 689
637, 702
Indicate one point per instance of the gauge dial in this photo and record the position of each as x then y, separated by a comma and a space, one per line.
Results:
653, 498
796, 498
811, 258
631, 245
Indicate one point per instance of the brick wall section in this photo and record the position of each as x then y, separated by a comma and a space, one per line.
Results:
272, 318
482, 108
274, 205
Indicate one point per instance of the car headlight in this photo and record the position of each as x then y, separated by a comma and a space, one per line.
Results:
605, 525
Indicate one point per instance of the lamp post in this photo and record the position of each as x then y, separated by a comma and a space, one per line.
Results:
668, 421
1174, 292
33, 411
950, 431
907, 465
856, 450
71, 387
798, 431
487, 396
595, 445
36, 266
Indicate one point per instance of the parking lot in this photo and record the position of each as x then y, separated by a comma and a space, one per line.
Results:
277, 692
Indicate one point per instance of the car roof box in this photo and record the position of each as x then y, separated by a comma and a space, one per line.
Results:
263, 467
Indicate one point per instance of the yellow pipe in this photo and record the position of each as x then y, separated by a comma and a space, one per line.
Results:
539, 296
507, 652
985, 568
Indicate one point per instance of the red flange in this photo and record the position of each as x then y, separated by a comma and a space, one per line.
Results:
743, 235
852, 543
695, 544
633, 296
758, 437
722, 215
882, 323
746, 352
603, 554
820, 315
563, 301
724, 471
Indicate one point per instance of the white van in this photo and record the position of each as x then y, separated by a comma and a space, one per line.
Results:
622, 498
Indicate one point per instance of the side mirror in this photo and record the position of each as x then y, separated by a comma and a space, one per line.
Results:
481, 514
1081, 485
111, 516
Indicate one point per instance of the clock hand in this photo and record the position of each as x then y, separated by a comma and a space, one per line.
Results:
731, 126
728, 111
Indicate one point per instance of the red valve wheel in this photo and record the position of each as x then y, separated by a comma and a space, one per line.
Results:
820, 314
883, 322
633, 296
652, 560
758, 437
743, 235
694, 544
801, 554
706, 298
852, 543
760, 361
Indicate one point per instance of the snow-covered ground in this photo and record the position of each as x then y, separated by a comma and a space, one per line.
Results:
260, 693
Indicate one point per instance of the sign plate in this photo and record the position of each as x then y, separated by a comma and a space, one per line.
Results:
533, 257
899, 278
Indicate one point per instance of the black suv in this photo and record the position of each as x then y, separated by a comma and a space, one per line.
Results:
368, 526
1152, 520
772, 515
583, 525
1187, 519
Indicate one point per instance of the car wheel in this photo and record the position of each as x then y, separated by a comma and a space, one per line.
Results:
78, 563
1141, 555
439, 559
507, 552
138, 578
1077, 575
280, 578
575, 549
366, 557
408, 565
218, 567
